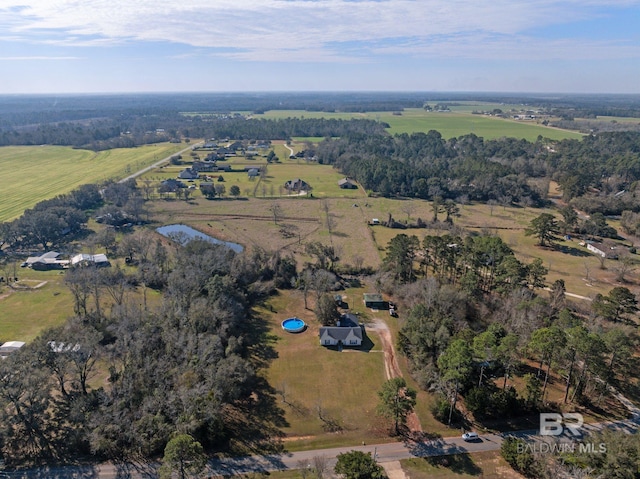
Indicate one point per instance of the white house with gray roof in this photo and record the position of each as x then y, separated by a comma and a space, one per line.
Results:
341, 336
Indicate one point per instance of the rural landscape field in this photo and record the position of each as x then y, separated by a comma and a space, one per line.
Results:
36, 173
459, 120
440, 215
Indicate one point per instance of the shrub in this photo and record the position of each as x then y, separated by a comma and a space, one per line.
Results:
518, 455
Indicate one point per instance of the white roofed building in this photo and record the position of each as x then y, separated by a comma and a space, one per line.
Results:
88, 259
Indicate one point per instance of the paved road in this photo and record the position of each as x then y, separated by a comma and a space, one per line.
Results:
384, 453
157, 164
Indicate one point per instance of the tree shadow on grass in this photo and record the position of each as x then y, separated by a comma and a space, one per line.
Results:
254, 425
573, 251
459, 464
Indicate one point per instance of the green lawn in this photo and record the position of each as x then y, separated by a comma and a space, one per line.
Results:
340, 386
24, 313
34, 173
322, 178
460, 466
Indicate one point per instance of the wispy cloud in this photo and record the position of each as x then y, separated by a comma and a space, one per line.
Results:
314, 30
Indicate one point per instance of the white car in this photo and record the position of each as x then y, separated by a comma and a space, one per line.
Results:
470, 436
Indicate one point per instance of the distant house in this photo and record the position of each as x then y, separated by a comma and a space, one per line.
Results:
374, 301
253, 172
171, 185
297, 185
188, 174
99, 260
602, 250
341, 336
47, 261
200, 166
10, 347
347, 184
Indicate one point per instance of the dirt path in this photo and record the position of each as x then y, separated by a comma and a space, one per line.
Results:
392, 369
288, 148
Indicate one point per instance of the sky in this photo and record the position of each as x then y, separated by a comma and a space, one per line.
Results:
108, 46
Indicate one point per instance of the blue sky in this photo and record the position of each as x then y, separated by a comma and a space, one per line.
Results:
78, 46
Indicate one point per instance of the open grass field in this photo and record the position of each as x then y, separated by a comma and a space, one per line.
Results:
42, 301
33, 173
449, 124
249, 221
322, 179
484, 464
25, 313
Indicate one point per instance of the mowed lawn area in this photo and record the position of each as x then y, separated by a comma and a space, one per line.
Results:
43, 303
34, 173
450, 124
323, 179
315, 381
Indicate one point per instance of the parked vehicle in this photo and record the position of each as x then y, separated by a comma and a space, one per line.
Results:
470, 436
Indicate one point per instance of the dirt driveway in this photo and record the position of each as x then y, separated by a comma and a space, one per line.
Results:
392, 369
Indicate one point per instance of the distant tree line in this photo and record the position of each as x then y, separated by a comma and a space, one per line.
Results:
597, 173
133, 130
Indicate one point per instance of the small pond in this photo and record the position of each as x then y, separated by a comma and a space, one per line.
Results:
183, 234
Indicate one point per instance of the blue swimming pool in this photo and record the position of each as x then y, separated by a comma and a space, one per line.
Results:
293, 325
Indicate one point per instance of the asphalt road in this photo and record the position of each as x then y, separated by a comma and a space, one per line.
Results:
157, 164
293, 460
383, 453
388, 452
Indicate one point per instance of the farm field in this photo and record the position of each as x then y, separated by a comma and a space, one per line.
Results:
449, 124
249, 221
34, 173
